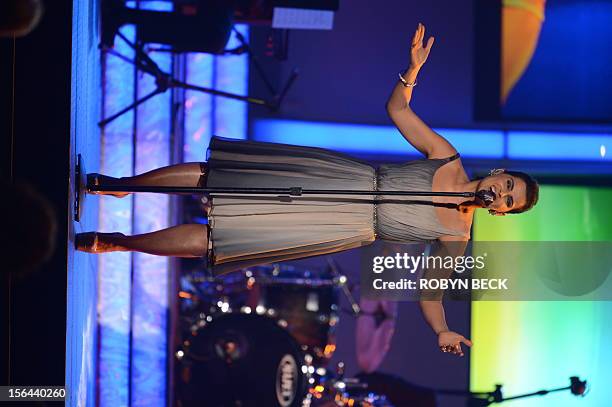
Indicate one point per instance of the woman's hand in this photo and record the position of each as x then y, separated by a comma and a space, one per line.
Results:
450, 342
418, 53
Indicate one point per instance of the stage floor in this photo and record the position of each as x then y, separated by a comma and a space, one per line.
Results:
82, 269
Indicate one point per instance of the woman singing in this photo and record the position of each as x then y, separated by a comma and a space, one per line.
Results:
248, 230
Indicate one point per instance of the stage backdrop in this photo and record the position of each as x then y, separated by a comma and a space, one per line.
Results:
572, 54
528, 346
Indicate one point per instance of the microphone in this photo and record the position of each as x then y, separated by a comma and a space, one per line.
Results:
578, 387
486, 196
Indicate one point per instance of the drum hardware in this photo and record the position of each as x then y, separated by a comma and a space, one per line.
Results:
343, 283
366, 400
270, 328
334, 390
303, 302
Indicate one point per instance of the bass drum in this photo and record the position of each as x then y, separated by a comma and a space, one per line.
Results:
242, 360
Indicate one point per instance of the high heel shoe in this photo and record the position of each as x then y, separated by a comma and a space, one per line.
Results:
94, 242
94, 179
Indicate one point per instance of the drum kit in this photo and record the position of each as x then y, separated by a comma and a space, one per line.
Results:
264, 337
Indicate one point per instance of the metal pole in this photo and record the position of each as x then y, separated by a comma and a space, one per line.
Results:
294, 191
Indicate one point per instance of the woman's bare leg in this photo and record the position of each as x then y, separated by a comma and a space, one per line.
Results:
178, 175
179, 241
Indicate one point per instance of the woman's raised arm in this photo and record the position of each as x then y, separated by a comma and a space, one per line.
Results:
414, 130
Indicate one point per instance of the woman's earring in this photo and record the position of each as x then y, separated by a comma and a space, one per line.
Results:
497, 171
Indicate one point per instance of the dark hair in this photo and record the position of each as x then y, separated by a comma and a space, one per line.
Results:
532, 191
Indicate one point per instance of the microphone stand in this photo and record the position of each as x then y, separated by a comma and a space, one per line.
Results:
81, 185
292, 191
481, 399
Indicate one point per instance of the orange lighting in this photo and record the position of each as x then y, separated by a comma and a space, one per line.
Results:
184, 294
329, 349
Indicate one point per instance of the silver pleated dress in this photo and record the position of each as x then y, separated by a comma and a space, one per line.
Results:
249, 230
